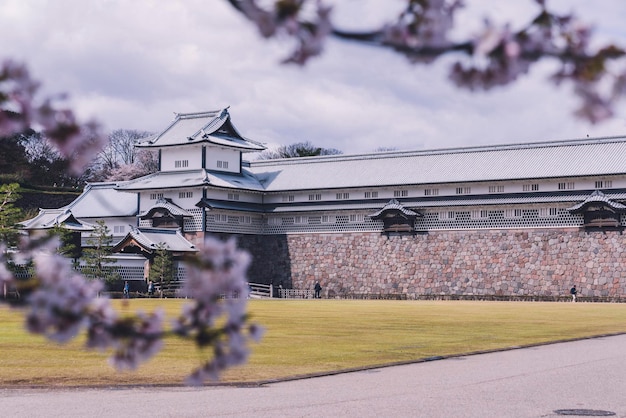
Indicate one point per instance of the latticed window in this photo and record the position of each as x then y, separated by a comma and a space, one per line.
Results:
604, 184
181, 163
233, 196
343, 196
447, 216
155, 196
356, 218
547, 212
530, 187
513, 213
496, 189
400, 193
315, 196
431, 192
479, 214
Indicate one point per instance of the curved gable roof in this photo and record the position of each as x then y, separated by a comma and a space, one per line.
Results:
202, 127
150, 239
168, 206
394, 205
598, 197
50, 218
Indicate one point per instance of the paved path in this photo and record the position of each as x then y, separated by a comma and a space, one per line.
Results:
587, 375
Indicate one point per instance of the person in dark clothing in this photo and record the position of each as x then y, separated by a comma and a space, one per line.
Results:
318, 291
573, 291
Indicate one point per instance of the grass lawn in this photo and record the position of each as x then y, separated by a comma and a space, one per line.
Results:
315, 336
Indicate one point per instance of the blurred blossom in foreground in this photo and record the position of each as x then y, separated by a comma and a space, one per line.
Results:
216, 280
495, 56
21, 110
63, 303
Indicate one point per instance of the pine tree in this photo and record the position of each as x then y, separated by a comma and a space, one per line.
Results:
70, 243
162, 269
97, 265
9, 214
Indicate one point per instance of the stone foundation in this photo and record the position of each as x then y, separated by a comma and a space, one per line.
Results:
529, 262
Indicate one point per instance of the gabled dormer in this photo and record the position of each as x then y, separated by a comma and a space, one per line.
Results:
166, 214
146, 241
206, 140
599, 212
396, 218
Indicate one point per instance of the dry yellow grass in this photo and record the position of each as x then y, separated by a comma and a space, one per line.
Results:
315, 336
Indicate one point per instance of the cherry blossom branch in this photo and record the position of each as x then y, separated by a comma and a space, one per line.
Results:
496, 56
20, 110
62, 303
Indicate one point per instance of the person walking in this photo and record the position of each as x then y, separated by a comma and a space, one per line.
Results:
126, 290
573, 291
318, 290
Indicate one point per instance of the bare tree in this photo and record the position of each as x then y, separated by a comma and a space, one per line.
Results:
119, 159
47, 166
121, 147
38, 147
299, 149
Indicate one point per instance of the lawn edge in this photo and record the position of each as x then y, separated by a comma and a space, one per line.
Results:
259, 383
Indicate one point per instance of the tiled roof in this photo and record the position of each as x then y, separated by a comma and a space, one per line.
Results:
598, 196
393, 204
557, 159
211, 127
49, 218
101, 200
169, 206
151, 238
193, 178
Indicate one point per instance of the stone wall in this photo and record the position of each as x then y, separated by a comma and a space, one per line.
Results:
535, 262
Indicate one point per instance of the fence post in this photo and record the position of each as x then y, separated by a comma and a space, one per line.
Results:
271, 290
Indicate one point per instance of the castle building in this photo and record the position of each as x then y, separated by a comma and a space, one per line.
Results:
512, 220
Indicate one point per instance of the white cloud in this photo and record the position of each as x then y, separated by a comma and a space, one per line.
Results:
132, 64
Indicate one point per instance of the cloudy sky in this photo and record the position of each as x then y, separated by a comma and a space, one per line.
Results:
132, 64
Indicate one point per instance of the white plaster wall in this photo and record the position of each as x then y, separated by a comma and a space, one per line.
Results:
243, 196
214, 154
145, 202
169, 156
